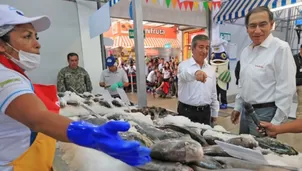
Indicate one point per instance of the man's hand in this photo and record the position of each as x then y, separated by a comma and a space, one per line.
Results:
235, 117
201, 76
213, 119
271, 130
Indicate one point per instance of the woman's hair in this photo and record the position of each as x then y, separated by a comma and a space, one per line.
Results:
5, 38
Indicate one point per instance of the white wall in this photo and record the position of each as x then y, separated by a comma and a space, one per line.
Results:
63, 36
69, 32
91, 47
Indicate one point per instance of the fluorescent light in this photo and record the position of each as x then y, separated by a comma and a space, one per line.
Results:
286, 6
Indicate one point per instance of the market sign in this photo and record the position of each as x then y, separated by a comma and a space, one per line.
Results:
131, 34
225, 36
155, 31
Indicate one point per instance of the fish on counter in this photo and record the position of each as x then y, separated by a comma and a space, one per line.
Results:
211, 139
207, 162
186, 130
117, 103
88, 102
156, 165
215, 150
157, 134
73, 102
105, 104
136, 137
96, 121
154, 112
276, 146
243, 142
177, 150
231, 162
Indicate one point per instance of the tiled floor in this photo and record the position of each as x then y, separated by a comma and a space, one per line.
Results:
294, 140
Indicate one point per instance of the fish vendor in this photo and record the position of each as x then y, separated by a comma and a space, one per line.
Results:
113, 77
289, 127
267, 74
30, 122
197, 96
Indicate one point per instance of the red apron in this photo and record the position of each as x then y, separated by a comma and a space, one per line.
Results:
42, 150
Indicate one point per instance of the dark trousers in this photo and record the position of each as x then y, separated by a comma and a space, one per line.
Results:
222, 94
200, 114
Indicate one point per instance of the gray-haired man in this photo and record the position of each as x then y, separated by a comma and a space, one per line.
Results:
197, 84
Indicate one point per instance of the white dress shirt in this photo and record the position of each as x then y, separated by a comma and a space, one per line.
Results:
267, 74
196, 93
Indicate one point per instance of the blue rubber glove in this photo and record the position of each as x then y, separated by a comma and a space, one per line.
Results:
105, 138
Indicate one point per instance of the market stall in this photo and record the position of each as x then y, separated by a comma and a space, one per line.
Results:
157, 39
175, 141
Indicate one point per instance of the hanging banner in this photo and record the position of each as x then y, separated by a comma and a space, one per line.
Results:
161, 2
190, 4
168, 2
130, 11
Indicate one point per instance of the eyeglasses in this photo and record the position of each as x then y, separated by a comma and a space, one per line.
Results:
260, 25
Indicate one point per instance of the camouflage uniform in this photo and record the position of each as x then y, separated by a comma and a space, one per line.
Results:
76, 78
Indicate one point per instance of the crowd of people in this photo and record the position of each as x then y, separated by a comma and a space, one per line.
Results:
161, 75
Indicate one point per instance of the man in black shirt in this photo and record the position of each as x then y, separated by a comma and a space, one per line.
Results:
298, 60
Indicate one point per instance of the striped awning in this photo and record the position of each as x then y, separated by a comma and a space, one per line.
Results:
149, 42
234, 9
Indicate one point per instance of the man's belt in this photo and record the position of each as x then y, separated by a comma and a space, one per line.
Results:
264, 105
197, 108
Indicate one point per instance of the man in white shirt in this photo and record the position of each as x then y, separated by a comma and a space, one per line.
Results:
267, 74
197, 85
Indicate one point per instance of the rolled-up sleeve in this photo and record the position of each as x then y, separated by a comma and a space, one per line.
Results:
285, 70
11, 87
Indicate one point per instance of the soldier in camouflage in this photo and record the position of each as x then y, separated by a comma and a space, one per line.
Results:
73, 76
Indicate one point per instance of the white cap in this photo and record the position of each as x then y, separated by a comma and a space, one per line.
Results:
12, 16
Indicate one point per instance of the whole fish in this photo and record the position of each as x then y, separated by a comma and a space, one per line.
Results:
73, 103
276, 146
116, 103
211, 139
60, 94
104, 103
97, 121
157, 134
156, 165
137, 137
186, 130
88, 102
177, 150
230, 162
146, 129
207, 162
243, 142
215, 150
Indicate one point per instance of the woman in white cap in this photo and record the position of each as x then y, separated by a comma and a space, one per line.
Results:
29, 120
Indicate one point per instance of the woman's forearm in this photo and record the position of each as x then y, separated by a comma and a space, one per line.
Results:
290, 127
53, 125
